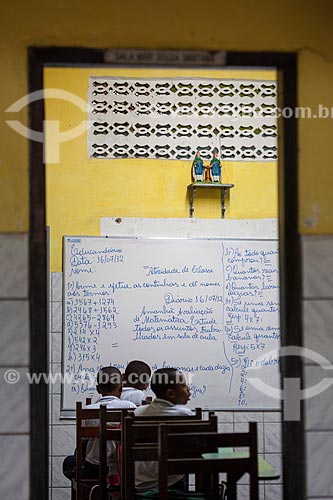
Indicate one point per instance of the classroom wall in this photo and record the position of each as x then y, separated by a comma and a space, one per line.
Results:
218, 26
302, 26
80, 190
318, 336
14, 364
269, 422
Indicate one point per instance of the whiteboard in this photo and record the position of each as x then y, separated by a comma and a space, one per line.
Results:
209, 307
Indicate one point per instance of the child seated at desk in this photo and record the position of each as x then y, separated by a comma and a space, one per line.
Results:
135, 382
109, 386
172, 392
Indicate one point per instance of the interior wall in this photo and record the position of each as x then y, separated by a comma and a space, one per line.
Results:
80, 190
186, 25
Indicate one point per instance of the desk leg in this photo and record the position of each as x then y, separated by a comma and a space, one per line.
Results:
223, 191
208, 483
232, 486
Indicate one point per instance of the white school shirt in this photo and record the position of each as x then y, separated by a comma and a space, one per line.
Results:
131, 394
146, 473
92, 452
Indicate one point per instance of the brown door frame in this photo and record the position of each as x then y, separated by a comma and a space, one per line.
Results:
289, 241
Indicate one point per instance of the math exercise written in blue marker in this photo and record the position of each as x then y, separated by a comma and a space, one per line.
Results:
207, 306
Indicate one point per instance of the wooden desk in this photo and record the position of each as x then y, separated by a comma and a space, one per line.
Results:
265, 470
225, 188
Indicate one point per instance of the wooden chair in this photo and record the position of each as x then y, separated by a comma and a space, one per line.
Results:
85, 432
140, 443
110, 430
183, 454
73, 482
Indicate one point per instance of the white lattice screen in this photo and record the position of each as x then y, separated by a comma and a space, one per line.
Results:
171, 118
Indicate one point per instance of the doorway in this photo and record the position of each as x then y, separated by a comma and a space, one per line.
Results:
292, 440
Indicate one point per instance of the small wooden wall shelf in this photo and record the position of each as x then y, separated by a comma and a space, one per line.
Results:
225, 188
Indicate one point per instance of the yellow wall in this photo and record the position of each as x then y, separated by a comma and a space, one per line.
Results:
303, 26
80, 190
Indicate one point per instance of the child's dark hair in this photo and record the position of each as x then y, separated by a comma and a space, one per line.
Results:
108, 379
164, 379
137, 374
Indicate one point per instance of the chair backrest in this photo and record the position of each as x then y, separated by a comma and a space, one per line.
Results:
146, 431
197, 415
110, 430
183, 454
140, 442
88, 427
83, 433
